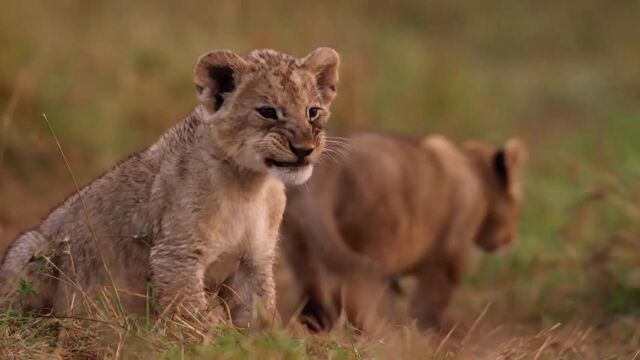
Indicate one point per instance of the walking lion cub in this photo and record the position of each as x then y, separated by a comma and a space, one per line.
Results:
392, 207
199, 208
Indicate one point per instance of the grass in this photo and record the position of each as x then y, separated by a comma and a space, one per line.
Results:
37, 337
563, 76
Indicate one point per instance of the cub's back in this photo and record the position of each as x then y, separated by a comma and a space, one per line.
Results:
386, 196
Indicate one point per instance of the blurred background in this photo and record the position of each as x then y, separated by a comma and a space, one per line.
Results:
111, 76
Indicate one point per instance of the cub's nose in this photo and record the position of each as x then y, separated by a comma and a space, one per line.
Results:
301, 151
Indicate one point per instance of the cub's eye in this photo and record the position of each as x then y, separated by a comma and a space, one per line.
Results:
313, 113
268, 112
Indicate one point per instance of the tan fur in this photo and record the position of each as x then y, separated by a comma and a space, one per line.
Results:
199, 208
399, 206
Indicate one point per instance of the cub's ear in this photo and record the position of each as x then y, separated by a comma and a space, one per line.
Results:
508, 165
323, 63
216, 75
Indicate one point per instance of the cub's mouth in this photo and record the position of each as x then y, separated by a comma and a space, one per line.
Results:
290, 172
286, 164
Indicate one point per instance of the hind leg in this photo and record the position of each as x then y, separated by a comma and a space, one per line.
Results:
31, 289
27, 275
321, 308
436, 283
35, 289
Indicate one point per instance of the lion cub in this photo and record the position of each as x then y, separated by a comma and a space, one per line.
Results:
394, 207
200, 207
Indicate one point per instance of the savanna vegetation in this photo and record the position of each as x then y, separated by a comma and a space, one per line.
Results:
111, 76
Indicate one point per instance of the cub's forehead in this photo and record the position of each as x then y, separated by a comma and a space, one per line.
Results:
279, 73
268, 58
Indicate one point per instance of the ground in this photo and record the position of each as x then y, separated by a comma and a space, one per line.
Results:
112, 76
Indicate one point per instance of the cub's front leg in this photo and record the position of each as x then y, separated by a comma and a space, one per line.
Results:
177, 273
252, 284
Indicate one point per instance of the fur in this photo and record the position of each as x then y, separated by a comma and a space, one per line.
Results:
198, 209
397, 206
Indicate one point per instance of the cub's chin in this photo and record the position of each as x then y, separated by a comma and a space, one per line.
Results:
291, 175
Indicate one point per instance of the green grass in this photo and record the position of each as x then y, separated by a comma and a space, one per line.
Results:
565, 76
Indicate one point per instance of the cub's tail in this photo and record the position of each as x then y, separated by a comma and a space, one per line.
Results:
21, 280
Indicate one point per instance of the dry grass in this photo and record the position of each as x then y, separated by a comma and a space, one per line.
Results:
102, 337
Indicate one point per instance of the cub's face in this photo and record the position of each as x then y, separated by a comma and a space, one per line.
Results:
267, 111
501, 170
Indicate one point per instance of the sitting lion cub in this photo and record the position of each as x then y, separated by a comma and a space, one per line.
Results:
392, 207
199, 208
